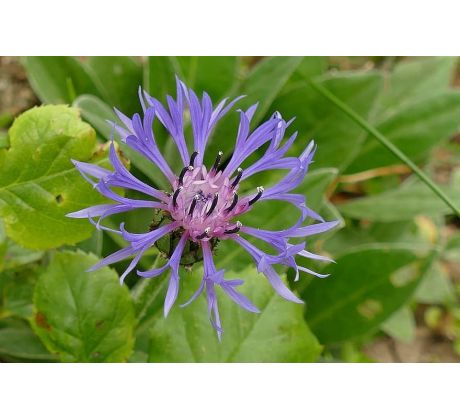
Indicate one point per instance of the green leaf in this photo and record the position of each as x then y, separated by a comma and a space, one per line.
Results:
338, 138
277, 334
267, 79
58, 79
16, 290
400, 204
415, 130
414, 79
13, 255
4, 140
118, 79
96, 112
365, 287
159, 76
452, 251
435, 287
82, 316
354, 235
39, 184
214, 75
309, 67
18, 341
401, 325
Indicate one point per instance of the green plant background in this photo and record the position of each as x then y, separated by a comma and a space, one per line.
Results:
397, 248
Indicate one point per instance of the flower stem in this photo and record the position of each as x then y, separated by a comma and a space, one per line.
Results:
385, 142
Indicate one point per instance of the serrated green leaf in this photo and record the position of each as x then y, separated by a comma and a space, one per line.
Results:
415, 130
365, 288
338, 138
400, 204
82, 316
401, 325
18, 341
118, 79
39, 184
277, 334
414, 79
58, 79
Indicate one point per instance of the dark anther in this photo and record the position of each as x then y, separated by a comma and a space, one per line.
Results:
260, 191
192, 158
217, 161
214, 204
238, 177
176, 194
235, 229
204, 234
193, 205
232, 206
183, 172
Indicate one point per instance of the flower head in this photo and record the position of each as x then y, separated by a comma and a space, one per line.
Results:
203, 204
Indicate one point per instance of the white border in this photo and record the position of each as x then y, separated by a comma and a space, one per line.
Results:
225, 391
235, 27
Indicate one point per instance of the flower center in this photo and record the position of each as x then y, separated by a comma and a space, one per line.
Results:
206, 202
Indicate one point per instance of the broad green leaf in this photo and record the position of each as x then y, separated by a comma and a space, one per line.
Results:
338, 138
58, 79
214, 75
415, 79
19, 343
39, 184
400, 204
365, 288
401, 325
277, 334
82, 316
415, 130
118, 79
436, 286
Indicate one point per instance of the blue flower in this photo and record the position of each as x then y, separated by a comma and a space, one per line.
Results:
203, 204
